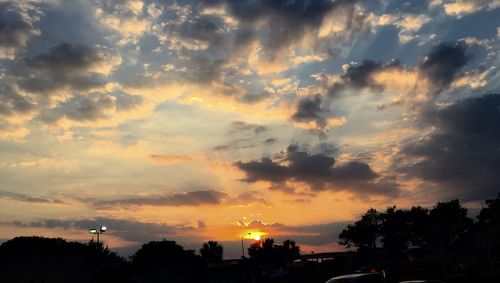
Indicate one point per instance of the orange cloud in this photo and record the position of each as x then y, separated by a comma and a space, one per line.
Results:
172, 158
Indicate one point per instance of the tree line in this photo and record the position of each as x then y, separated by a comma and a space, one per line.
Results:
441, 242
40, 259
443, 239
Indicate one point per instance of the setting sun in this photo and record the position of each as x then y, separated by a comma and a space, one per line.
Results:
257, 235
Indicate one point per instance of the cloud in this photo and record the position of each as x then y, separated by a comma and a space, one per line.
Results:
318, 234
129, 230
194, 198
318, 172
240, 126
443, 62
314, 235
408, 24
12, 103
172, 158
309, 109
315, 109
462, 7
461, 154
125, 17
125, 101
204, 32
360, 76
286, 22
76, 66
72, 58
91, 107
247, 199
16, 27
81, 108
28, 198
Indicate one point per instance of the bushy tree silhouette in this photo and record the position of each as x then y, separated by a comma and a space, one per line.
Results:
364, 233
418, 223
39, 259
166, 261
448, 222
402, 229
266, 251
489, 226
211, 252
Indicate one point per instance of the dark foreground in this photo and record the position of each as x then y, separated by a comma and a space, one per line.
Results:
36, 259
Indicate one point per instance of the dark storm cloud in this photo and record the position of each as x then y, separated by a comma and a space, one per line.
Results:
462, 156
319, 172
28, 198
81, 108
129, 230
195, 198
16, 28
65, 65
443, 62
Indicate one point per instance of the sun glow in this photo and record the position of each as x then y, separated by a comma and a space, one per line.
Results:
255, 235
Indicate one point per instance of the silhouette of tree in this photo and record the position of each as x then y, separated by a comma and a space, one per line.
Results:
418, 224
211, 252
395, 231
165, 261
448, 227
489, 225
39, 259
448, 221
266, 251
403, 229
364, 233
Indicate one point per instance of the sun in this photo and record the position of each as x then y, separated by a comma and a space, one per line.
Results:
254, 235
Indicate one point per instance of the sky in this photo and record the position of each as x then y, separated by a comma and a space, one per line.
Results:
209, 120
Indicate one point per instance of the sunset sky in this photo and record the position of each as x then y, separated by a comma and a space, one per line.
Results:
209, 120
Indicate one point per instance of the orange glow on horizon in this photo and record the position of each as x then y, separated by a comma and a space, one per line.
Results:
254, 235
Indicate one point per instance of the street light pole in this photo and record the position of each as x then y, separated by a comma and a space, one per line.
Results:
242, 247
96, 232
